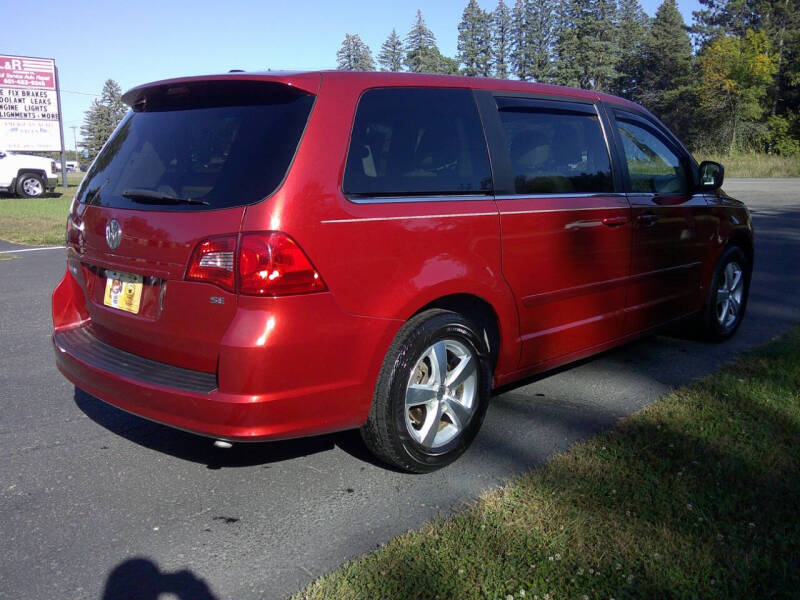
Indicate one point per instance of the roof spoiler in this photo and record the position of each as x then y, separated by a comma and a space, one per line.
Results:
173, 88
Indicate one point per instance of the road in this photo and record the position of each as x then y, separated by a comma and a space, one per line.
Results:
94, 501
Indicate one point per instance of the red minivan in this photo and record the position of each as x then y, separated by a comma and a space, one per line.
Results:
258, 256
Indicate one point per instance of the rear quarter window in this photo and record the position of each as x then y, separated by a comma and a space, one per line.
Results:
416, 142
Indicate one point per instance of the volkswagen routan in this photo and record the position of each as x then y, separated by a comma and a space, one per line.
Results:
260, 256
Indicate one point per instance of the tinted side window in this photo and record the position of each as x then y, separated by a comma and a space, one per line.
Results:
556, 152
653, 167
415, 141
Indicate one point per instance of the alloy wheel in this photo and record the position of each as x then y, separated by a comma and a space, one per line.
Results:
729, 295
32, 187
440, 397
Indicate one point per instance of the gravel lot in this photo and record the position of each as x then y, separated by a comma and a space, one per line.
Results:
95, 501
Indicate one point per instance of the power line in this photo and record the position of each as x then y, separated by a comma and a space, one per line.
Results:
81, 93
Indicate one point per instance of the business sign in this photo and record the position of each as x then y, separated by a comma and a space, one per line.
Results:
28, 104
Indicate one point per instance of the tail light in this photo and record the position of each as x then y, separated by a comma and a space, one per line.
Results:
74, 237
261, 264
52, 166
272, 264
212, 262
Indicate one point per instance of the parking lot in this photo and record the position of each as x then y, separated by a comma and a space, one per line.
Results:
95, 500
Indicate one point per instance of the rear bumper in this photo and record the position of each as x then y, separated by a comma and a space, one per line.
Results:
259, 392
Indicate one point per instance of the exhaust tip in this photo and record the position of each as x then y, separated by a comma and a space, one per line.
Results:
222, 444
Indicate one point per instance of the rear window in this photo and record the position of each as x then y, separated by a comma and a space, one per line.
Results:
555, 150
200, 146
417, 142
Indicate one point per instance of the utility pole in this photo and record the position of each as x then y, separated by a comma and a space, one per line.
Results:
61, 132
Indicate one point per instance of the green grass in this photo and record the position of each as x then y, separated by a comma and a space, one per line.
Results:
754, 164
695, 496
37, 221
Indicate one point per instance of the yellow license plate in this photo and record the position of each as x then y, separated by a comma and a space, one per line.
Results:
123, 291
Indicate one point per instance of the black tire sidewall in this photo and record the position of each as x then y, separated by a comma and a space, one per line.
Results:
440, 327
714, 329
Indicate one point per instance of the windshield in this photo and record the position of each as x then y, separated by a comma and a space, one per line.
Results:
212, 150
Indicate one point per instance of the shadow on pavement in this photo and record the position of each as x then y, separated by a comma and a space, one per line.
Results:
200, 449
141, 579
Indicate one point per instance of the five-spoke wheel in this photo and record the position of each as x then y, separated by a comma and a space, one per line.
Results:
440, 397
431, 394
727, 296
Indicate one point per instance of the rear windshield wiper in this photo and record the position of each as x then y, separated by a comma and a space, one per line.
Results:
153, 197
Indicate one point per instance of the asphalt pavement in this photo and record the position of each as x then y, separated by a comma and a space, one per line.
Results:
96, 502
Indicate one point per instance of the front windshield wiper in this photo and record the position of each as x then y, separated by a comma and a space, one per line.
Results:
144, 196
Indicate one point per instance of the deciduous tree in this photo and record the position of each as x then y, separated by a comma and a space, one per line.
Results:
735, 76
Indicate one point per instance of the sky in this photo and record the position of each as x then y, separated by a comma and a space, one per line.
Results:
141, 41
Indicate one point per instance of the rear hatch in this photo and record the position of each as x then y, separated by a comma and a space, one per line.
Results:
179, 169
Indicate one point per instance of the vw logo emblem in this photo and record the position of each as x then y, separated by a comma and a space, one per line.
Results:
113, 234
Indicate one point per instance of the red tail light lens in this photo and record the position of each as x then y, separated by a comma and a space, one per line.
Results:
212, 262
272, 264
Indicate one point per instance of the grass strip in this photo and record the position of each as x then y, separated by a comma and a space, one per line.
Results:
755, 164
36, 221
696, 496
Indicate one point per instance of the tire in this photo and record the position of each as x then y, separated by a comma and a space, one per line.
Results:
30, 185
727, 296
417, 422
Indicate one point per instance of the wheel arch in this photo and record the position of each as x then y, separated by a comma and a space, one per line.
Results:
28, 171
744, 240
478, 311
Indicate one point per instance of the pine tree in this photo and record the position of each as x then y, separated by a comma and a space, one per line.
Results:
533, 32
474, 41
667, 86
501, 40
540, 24
727, 17
520, 56
632, 27
666, 54
102, 118
422, 53
391, 54
587, 47
446, 65
354, 54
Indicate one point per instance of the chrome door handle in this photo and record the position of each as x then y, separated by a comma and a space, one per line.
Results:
647, 219
614, 221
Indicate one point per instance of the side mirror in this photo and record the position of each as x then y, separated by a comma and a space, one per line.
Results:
711, 175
